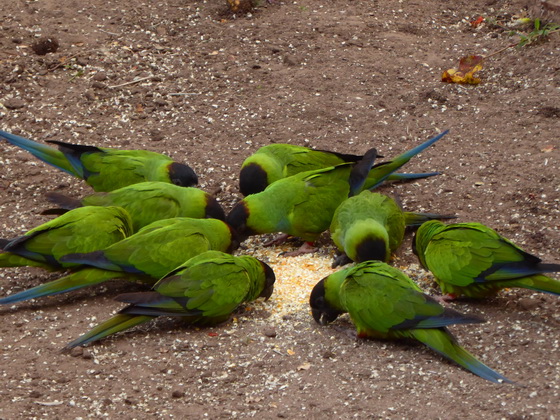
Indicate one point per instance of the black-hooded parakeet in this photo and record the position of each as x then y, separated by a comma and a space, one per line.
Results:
106, 169
371, 226
474, 260
384, 303
204, 290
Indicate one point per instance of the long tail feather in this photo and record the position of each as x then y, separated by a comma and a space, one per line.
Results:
442, 342
63, 201
381, 172
416, 219
119, 322
43, 152
538, 283
406, 156
519, 270
406, 177
83, 278
549, 268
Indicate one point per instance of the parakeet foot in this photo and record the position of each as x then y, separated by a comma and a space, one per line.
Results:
306, 248
279, 240
340, 260
445, 299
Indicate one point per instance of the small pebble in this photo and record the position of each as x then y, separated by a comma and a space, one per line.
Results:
528, 304
77, 352
269, 332
35, 394
100, 77
14, 103
177, 394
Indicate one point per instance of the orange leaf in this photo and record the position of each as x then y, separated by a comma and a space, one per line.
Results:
465, 75
477, 21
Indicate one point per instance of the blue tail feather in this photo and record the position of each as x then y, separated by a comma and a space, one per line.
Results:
79, 279
381, 172
441, 341
119, 322
43, 152
415, 150
404, 177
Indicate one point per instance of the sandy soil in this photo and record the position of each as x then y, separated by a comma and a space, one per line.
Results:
344, 75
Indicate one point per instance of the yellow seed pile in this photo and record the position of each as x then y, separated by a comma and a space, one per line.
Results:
295, 277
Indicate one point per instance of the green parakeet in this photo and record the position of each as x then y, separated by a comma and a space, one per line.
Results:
473, 260
205, 290
145, 256
302, 204
85, 229
276, 161
147, 202
106, 169
371, 226
384, 303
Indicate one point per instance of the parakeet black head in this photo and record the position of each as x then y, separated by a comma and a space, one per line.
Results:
252, 179
237, 219
323, 312
213, 209
182, 175
270, 279
372, 249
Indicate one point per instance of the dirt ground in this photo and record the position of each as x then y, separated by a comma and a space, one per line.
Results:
342, 75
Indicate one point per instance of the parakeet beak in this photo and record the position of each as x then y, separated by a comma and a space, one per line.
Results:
324, 317
318, 316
